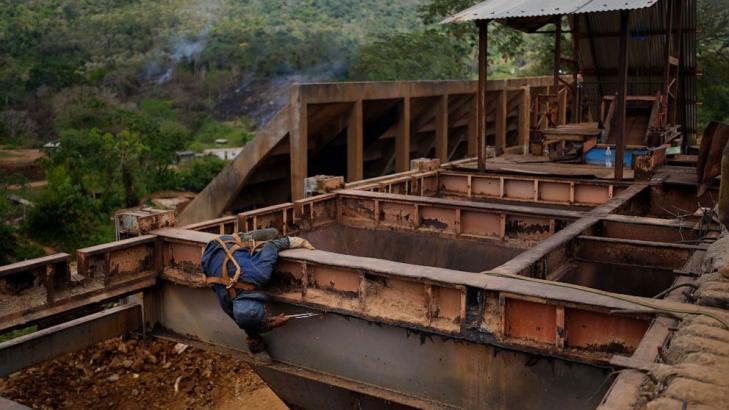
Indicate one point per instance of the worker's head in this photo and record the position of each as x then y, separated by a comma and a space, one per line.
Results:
250, 313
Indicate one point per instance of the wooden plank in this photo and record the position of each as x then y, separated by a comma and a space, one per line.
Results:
473, 127
524, 112
501, 117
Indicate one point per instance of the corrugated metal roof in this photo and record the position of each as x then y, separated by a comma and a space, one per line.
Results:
508, 9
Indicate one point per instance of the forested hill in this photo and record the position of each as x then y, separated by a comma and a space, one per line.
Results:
186, 52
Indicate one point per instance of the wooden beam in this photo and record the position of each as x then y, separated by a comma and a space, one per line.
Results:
473, 127
402, 140
355, 149
501, 113
299, 143
481, 104
622, 93
524, 119
441, 129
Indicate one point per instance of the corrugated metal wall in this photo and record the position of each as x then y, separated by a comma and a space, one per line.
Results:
646, 52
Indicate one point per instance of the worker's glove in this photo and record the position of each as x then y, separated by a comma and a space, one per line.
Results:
276, 321
296, 242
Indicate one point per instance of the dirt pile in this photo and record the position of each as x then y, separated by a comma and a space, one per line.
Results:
139, 374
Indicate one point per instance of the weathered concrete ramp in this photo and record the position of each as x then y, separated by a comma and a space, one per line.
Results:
364, 130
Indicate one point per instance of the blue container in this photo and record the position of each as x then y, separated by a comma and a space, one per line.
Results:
596, 156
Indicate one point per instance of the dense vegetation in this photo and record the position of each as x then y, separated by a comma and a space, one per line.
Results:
123, 84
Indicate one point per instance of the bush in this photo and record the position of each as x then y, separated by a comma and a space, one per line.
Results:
197, 174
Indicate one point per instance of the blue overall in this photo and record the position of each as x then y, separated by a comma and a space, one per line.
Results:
247, 308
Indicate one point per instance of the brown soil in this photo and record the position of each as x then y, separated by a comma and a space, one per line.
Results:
140, 374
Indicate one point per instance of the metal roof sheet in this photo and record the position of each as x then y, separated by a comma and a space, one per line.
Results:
508, 9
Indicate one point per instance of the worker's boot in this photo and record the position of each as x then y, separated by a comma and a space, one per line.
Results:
257, 347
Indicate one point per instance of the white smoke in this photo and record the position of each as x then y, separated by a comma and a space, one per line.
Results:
183, 46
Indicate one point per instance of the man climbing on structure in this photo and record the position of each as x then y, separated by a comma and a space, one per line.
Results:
239, 266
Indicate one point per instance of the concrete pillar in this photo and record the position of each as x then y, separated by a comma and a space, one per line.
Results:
298, 143
441, 129
402, 139
355, 148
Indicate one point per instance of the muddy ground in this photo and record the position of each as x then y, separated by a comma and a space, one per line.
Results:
140, 374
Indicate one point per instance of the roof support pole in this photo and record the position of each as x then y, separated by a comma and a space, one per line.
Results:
355, 148
667, 58
576, 106
473, 126
481, 97
679, 49
622, 93
557, 52
402, 140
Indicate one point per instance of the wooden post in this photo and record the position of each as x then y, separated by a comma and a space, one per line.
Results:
622, 93
679, 50
473, 127
481, 100
576, 103
667, 57
355, 158
298, 143
441, 129
524, 118
501, 119
557, 53
402, 140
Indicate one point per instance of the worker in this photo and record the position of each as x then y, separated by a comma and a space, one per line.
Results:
239, 266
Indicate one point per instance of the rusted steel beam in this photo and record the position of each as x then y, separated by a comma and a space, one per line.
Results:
624, 392
34, 348
633, 252
649, 229
105, 272
47, 274
438, 300
525, 188
222, 225
332, 348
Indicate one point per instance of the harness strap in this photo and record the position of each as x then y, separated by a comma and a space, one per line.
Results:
232, 283
240, 285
